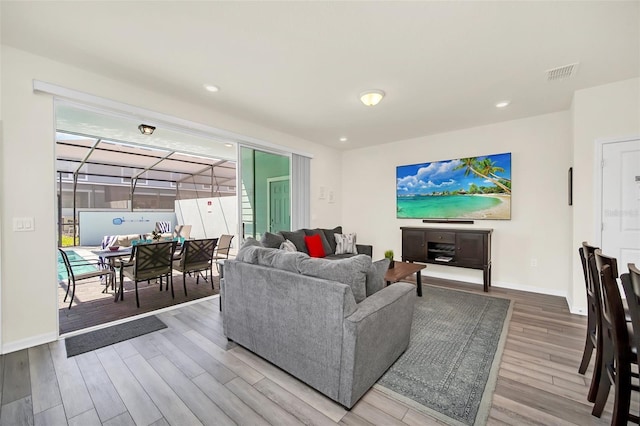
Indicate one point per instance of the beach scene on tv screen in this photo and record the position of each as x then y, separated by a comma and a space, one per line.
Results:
464, 188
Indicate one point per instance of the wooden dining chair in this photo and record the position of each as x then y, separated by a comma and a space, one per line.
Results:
73, 277
631, 287
617, 353
149, 261
196, 257
593, 319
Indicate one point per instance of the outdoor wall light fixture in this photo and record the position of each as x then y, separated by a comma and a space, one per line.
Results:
146, 129
371, 97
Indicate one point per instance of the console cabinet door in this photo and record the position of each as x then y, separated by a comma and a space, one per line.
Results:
413, 246
470, 249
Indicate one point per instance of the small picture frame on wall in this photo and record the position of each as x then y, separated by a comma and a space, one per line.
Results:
570, 188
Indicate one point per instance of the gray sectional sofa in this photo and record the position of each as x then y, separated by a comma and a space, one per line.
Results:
333, 324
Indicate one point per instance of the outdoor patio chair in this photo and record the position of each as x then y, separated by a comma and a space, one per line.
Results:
222, 252
196, 258
182, 231
73, 277
147, 262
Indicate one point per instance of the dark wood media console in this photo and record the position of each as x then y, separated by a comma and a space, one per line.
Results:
463, 248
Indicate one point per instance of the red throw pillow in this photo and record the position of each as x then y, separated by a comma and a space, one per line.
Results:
314, 245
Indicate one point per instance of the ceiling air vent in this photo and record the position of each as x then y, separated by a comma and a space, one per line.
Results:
561, 73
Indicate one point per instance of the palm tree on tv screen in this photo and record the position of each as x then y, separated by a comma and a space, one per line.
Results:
484, 169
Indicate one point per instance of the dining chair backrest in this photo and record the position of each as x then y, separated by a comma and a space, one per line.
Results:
67, 264
224, 245
182, 231
153, 259
631, 287
593, 313
197, 254
585, 251
613, 315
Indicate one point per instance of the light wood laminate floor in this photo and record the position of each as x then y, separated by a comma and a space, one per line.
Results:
190, 374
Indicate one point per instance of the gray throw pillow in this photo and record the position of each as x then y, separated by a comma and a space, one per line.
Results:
351, 271
272, 240
297, 238
375, 276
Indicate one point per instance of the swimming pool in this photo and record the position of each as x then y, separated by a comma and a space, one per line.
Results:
77, 269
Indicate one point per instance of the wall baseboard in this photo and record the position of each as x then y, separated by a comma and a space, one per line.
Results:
29, 342
501, 284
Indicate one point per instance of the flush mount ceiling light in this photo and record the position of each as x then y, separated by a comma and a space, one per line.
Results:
371, 97
343, 139
211, 88
502, 104
146, 129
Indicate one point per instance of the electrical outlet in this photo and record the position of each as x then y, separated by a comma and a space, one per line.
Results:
534, 263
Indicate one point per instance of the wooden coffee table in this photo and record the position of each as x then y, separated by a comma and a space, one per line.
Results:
402, 270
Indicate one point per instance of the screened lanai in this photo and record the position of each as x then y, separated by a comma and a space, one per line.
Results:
105, 174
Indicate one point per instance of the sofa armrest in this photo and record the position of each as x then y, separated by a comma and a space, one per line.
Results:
375, 335
364, 249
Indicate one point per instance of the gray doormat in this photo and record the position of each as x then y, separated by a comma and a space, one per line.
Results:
451, 365
108, 336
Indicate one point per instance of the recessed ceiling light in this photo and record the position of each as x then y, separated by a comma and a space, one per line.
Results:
211, 88
343, 139
503, 104
228, 145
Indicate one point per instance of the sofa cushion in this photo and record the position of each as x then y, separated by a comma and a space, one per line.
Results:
351, 271
325, 243
345, 243
280, 259
331, 240
272, 240
375, 276
297, 238
314, 245
288, 246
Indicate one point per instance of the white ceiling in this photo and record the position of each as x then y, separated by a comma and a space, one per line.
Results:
298, 67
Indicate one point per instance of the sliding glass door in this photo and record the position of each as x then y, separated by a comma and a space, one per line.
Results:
265, 192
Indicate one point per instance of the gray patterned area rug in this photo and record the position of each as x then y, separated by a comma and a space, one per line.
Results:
450, 368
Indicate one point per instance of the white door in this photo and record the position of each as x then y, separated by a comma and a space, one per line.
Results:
621, 202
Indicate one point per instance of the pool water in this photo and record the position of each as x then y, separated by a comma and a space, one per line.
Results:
78, 269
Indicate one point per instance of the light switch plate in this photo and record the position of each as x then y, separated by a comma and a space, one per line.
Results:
23, 224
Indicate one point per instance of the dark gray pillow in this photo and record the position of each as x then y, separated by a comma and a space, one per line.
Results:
351, 271
270, 240
328, 233
375, 276
323, 238
297, 238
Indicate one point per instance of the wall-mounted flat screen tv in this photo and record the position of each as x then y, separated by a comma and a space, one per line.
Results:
464, 188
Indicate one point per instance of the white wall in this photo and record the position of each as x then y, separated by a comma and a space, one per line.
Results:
29, 306
209, 220
540, 227
598, 113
